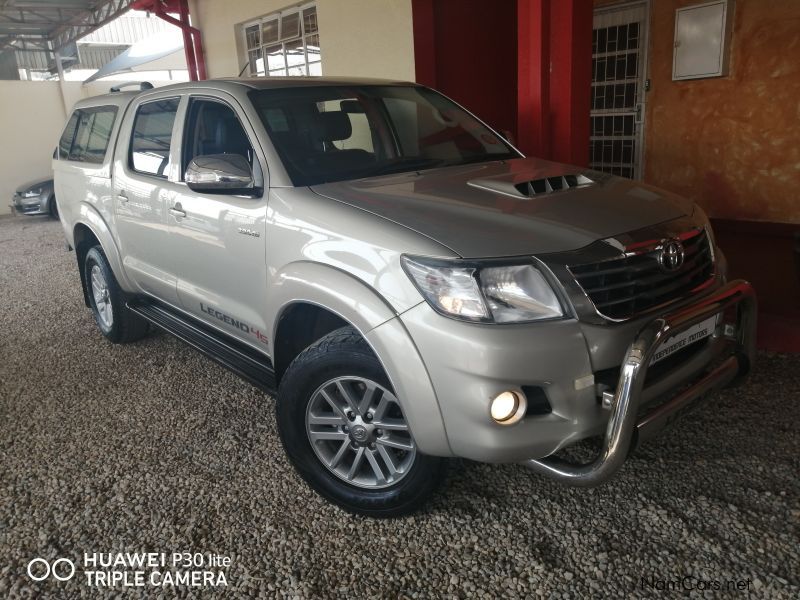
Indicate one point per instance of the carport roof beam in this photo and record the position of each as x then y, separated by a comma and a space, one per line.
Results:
54, 23
86, 23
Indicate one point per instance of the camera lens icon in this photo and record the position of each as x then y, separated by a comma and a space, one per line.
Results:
63, 569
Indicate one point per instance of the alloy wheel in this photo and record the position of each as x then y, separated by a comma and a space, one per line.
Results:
357, 430
102, 298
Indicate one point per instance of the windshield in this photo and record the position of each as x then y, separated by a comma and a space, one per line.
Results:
335, 133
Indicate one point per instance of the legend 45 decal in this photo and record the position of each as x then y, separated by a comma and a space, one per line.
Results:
240, 325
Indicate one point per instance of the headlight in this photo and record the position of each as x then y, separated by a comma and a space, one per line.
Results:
487, 293
32, 193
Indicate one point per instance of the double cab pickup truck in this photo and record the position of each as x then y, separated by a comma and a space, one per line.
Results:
406, 283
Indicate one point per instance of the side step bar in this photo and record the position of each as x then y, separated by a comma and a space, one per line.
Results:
245, 362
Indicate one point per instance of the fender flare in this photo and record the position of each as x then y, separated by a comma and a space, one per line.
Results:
360, 306
90, 217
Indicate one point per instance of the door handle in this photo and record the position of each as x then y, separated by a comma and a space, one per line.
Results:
177, 210
123, 197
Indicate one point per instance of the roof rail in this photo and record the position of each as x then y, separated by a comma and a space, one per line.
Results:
143, 85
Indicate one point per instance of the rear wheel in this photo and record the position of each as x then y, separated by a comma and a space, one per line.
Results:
345, 432
116, 322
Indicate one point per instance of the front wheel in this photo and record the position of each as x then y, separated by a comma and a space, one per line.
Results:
115, 320
345, 432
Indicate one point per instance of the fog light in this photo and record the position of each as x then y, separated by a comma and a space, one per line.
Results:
508, 407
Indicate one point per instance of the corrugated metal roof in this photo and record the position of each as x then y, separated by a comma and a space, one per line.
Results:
127, 29
101, 46
91, 57
52, 24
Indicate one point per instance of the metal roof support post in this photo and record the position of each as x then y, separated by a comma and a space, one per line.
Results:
61, 83
199, 54
188, 42
192, 40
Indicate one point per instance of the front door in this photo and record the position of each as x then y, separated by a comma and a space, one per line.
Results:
619, 54
218, 241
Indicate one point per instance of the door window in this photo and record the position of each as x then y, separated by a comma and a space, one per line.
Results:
213, 128
152, 135
87, 135
65, 143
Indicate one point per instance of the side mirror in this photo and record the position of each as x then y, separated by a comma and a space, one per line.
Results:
220, 174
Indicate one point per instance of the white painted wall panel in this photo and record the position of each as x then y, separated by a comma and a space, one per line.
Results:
366, 38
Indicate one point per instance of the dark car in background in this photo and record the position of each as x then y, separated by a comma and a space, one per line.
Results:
35, 198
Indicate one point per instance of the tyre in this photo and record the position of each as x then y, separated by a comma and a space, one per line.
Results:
115, 320
344, 430
52, 208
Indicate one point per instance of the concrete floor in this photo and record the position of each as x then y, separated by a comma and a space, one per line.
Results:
151, 447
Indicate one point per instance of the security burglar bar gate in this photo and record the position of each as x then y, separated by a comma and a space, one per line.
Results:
619, 50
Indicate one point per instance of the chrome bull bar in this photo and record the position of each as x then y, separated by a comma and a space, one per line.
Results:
624, 423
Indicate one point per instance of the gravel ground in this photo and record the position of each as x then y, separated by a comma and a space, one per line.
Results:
153, 448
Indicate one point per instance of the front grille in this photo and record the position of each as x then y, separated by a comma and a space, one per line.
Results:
624, 287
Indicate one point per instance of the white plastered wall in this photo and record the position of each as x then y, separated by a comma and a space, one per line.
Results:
31, 119
32, 116
360, 38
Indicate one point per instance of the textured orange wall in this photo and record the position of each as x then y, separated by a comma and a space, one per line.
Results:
730, 143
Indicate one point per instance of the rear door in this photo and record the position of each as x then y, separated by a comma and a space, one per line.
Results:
143, 168
81, 171
218, 241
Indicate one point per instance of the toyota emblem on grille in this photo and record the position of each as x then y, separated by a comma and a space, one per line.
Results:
671, 256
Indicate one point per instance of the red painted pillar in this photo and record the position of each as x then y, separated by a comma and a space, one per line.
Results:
188, 42
533, 77
570, 80
424, 27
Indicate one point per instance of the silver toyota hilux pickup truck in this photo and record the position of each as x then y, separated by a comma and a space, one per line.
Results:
408, 285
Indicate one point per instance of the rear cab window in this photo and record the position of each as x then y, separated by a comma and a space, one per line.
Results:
87, 135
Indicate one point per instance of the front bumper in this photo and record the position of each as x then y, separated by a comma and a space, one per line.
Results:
626, 426
470, 364
36, 205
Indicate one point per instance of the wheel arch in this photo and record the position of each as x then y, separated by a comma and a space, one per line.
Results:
330, 298
301, 324
84, 240
90, 229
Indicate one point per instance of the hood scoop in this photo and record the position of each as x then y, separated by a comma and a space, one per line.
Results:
534, 187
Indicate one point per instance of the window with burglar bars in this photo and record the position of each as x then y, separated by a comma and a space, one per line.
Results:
284, 43
617, 91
